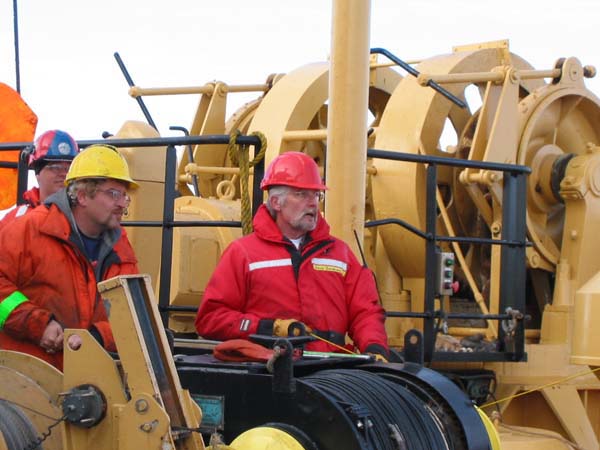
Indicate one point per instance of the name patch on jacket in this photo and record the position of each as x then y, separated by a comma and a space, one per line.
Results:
330, 265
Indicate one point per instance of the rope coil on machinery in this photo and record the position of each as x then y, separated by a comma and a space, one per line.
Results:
389, 415
239, 155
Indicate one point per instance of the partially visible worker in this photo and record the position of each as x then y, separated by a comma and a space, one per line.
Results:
290, 274
49, 158
53, 257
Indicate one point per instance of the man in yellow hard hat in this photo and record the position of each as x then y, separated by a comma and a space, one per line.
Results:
53, 257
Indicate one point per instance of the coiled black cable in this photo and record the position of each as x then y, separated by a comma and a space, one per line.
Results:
15, 427
396, 417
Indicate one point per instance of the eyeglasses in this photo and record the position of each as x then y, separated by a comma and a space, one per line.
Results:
115, 194
58, 168
306, 195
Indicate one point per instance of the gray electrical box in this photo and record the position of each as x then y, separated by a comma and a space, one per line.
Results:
445, 273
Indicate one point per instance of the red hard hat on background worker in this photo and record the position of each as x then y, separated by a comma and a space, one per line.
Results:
53, 145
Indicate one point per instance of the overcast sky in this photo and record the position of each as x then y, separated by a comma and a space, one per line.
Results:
69, 76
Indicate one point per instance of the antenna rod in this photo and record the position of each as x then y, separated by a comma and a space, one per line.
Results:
131, 84
16, 39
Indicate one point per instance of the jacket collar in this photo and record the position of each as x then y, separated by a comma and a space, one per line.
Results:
60, 200
32, 197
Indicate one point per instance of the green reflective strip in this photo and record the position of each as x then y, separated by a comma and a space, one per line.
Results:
9, 304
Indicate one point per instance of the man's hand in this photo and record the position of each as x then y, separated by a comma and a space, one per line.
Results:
290, 327
52, 339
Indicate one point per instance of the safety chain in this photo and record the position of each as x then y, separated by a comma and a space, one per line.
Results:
239, 154
45, 435
509, 326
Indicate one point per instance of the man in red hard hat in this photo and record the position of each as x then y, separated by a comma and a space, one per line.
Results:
291, 274
50, 158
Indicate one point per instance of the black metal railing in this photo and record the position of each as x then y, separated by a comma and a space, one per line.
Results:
512, 267
170, 193
513, 242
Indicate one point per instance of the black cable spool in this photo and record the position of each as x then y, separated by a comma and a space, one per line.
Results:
426, 395
382, 409
16, 428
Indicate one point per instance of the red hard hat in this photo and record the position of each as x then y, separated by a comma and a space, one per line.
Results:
294, 169
54, 145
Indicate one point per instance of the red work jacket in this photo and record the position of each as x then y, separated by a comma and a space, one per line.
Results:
32, 199
263, 276
40, 257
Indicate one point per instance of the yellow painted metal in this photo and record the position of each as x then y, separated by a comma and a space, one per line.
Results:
527, 438
297, 106
196, 252
265, 438
305, 135
520, 121
580, 190
491, 331
561, 119
479, 77
564, 397
140, 376
210, 119
490, 429
92, 365
294, 103
413, 122
33, 386
586, 333
141, 409
208, 88
347, 127
147, 167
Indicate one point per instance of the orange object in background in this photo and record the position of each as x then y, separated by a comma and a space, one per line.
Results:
17, 124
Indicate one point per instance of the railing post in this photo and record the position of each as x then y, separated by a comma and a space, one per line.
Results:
259, 171
429, 331
166, 257
512, 289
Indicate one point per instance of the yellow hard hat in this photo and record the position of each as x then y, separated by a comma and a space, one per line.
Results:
100, 161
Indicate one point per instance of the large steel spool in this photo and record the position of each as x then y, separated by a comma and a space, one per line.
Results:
413, 122
298, 102
554, 120
335, 406
559, 123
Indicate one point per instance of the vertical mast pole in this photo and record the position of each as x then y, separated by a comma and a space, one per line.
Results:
347, 119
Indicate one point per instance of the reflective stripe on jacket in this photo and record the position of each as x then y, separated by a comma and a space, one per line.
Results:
263, 276
40, 259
